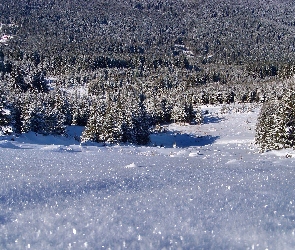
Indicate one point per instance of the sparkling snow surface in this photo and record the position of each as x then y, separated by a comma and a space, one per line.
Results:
214, 190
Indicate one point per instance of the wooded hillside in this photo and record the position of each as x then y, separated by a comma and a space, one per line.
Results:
164, 57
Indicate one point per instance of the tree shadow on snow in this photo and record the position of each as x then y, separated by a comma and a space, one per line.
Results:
172, 139
7, 144
211, 119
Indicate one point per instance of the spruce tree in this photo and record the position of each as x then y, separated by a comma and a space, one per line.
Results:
93, 129
38, 82
4, 116
141, 124
276, 123
111, 130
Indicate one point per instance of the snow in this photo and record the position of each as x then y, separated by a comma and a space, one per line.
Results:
132, 165
213, 190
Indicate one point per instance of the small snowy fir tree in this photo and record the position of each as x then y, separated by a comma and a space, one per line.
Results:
136, 123
94, 125
140, 125
179, 113
198, 116
111, 130
54, 122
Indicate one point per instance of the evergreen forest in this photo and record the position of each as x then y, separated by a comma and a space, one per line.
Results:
124, 68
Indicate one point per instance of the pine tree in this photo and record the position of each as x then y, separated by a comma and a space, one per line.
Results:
62, 106
80, 109
111, 130
190, 112
35, 121
38, 82
93, 129
179, 112
18, 80
54, 122
4, 116
276, 123
198, 116
40, 115
269, 128
289, 119
141, 124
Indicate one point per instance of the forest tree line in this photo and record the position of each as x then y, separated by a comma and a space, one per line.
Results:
140, 63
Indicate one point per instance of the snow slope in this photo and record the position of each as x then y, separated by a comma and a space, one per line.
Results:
213, 190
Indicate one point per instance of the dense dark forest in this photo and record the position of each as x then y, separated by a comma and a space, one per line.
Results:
122, 67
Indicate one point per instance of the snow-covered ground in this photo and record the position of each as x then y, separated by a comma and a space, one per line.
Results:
212, 190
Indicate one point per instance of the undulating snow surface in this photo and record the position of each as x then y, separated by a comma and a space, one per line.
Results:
196, 187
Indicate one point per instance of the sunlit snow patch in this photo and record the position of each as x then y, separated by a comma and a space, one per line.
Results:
194, 154
234, 141
132, 165
283, 153
233, 161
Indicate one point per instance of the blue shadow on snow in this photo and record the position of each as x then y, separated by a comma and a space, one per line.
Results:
211, 119
170, 139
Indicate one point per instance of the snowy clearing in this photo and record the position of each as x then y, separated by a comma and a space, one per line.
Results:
196, 187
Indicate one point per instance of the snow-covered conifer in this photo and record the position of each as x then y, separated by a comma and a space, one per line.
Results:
276, 123
4, 115
93, 129
111, 130
141, 124
179, 113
